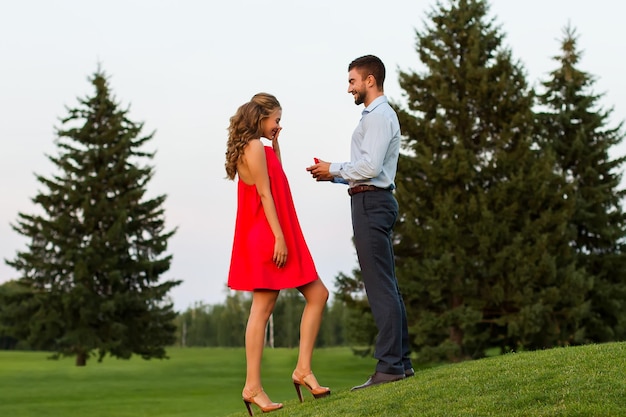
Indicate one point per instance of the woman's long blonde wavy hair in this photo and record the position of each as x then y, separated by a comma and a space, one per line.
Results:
245, 125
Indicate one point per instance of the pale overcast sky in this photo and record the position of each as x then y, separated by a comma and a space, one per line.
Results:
185, 66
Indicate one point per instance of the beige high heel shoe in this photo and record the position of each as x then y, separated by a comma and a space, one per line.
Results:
300, 381
249, 398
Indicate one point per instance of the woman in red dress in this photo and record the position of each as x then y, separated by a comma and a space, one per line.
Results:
269, 251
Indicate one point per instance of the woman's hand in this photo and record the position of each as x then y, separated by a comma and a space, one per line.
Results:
275, 145
280, 252
275, 137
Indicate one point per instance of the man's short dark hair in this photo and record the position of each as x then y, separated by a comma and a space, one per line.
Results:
370, 65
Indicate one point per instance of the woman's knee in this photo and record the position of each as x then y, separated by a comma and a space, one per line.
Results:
322, 291
315, 292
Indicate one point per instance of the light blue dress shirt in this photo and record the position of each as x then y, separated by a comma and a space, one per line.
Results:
374, 149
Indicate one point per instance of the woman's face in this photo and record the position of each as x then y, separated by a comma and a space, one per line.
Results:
271, 125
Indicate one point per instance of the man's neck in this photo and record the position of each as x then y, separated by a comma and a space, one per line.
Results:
371, 97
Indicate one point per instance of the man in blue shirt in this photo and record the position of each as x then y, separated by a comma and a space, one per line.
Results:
370, 177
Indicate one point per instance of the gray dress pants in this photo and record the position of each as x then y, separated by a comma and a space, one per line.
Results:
373, 215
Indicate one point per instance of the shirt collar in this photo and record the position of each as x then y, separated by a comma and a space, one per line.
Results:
377, 101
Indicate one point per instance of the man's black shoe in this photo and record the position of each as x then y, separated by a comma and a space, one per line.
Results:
409, 372
379, 378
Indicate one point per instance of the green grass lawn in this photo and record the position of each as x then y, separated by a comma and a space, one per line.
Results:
193, 382
581, 381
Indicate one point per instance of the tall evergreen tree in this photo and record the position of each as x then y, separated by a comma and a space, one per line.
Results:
577, 131
482, 249
97, 252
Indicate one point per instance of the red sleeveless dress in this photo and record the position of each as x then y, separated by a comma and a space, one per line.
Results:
251, 265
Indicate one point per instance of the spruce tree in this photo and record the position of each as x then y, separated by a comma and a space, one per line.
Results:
96, 252
482, 251
576, 130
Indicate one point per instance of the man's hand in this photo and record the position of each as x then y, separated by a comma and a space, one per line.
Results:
320, 171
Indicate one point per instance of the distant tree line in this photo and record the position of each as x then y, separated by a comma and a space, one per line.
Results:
224, 324
510, 235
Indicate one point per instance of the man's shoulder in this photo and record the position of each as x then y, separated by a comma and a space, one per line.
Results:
380, 104
377, 102
384, 110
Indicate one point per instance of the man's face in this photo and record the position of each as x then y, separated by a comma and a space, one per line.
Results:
356, 86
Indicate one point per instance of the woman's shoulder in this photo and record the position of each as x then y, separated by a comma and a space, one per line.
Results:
254, 150
255, 144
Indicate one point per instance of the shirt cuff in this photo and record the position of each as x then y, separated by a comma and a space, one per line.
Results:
335, 169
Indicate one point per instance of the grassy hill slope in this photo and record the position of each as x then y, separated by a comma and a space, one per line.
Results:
581, 381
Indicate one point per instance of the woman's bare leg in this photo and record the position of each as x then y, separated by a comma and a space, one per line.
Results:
263, 303
316, 295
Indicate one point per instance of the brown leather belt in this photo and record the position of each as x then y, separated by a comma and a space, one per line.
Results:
363, 188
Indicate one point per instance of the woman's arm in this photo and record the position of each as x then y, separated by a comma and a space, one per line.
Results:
254, 155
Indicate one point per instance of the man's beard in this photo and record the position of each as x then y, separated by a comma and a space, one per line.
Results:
359, 98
